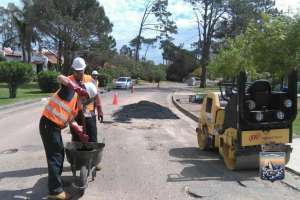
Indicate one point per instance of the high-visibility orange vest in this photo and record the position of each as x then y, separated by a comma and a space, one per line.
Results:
60, 111
86, 79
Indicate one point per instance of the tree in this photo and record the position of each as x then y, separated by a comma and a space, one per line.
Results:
159, 74
234, 57
212, 13
241, 13
219, 19
263, 48
125, 50
15, 73
150, 43
156, 19
293, 43
182, 62
8, 31
26, 29
74, 25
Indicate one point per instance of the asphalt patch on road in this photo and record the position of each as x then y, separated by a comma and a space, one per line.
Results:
143, 110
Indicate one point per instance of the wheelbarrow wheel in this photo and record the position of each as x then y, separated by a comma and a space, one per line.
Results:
93, 174
83, 176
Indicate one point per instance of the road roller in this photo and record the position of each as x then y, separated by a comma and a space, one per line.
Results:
245, 118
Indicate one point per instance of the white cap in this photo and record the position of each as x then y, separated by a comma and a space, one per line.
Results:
78, 64
94, 72
91, 89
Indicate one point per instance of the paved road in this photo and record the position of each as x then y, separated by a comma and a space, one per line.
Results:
150, 153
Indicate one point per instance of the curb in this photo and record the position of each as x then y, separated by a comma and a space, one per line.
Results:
292, 171
184, 111
22, 103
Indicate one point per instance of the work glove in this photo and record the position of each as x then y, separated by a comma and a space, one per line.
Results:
100, 114
78, 130
79, 90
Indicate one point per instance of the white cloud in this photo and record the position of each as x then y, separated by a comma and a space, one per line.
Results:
288, 5
126, 16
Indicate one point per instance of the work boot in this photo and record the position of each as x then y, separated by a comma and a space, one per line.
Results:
98, 167
60, 196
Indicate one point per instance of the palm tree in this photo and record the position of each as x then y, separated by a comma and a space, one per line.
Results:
26, 29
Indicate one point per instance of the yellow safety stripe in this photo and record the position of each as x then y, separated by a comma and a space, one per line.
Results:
61, 104
57, 114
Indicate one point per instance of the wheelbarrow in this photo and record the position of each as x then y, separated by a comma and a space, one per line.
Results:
83, 157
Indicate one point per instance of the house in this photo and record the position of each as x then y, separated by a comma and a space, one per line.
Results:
40, 60
11, 55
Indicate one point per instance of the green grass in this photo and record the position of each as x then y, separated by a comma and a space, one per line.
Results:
296, 124
26, 92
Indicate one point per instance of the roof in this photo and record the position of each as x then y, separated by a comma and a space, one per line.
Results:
10, 53
52, 57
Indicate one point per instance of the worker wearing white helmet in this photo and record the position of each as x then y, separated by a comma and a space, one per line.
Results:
60, 111
80, 77
95, 77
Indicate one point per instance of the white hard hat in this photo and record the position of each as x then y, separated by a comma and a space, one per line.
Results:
78, 64
91, 89
94, 72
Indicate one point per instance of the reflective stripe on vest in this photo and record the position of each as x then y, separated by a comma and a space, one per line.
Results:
60, 111
57, 114
61, 104
86, 79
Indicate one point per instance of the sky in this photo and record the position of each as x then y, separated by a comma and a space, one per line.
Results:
126, 16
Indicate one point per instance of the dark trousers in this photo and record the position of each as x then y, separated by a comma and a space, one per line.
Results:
91, 129
54, 148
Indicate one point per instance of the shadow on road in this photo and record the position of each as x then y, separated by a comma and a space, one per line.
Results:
143, 110
23, 173
202, 166
191, 153
40, 190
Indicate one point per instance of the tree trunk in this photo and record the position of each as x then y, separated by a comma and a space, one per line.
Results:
67, 52
59, 52
67, 62
137, 47
23, 53
204, 62
12, 91
29, 55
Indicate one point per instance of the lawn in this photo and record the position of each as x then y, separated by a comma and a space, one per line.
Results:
296, 124
26, 92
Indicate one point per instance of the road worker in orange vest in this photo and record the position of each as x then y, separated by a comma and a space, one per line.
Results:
79, 77
60, 112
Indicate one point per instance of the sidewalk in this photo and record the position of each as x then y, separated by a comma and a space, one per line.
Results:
192, 110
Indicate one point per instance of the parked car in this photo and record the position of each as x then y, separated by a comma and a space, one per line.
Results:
123, 83
284, 88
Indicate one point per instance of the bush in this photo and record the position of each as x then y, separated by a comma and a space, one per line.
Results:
15, 74
104, 79
2, 58
47, 81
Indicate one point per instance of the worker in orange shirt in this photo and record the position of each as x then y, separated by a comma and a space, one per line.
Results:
60, 112
79, 77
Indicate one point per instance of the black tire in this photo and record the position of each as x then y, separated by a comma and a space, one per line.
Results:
83, 176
